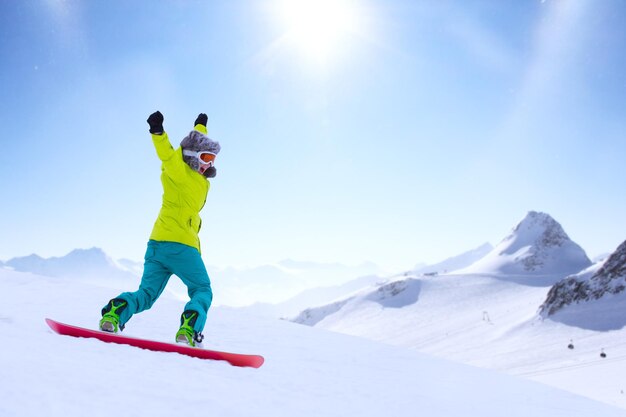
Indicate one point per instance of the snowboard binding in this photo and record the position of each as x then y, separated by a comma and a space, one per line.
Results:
111, 316
186, 334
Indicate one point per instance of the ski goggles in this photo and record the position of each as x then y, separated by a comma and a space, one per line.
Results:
204, 157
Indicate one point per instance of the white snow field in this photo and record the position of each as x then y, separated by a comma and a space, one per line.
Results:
488, 314
493, 323
308, 371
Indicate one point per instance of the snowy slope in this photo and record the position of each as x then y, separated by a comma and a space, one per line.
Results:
308, 372
537, 247
487, 315
456, 262
491, 319
483, 321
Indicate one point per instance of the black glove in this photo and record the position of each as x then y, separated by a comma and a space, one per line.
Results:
202, 119
210, 172
156, 123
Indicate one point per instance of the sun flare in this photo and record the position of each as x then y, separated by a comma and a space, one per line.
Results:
317, 28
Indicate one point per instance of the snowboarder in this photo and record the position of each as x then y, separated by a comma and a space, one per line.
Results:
174, 246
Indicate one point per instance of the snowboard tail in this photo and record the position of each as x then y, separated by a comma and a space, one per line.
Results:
235, 359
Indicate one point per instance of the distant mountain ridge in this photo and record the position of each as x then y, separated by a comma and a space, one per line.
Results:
538, 245
232, 286
80, 263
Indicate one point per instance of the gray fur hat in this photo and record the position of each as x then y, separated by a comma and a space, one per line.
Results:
196, 141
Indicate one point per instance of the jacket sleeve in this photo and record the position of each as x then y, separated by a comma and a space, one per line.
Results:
164, 148
201, 128
173, 164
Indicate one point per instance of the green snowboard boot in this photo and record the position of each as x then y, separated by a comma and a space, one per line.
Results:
186, 334
111, 315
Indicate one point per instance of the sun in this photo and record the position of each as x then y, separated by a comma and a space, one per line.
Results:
318, 29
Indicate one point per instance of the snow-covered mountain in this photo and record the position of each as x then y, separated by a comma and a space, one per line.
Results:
85, 264
307, 372
593, 298
537, 247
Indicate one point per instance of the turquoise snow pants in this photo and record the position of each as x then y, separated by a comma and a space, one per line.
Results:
161, 261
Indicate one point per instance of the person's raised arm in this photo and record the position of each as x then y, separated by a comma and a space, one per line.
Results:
159, 137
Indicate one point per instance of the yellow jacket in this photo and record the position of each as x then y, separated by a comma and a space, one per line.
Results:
184, 195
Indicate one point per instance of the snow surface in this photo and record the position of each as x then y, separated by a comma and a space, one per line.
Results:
491, 323
456, 262
308, 371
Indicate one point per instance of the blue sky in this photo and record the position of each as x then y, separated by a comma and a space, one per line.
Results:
396, 132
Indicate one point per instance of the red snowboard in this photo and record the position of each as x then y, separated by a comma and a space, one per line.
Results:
235, 359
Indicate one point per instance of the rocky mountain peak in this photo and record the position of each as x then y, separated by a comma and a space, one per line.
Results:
540, 229
537, 245
615, 266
